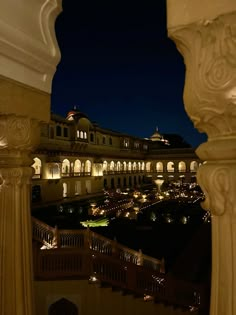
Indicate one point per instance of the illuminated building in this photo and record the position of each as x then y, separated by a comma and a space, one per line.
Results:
205, 34
77, 157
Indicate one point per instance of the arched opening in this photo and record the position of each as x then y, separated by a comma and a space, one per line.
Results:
112, 183
77, 168
182, 166
148, 166
112, 166
37, 167
105, 183
65, 187
159, 167
118, 166
129, 166
124, 166
62, 307
104, 167
77, 188
193, 166
170, 167
65, 170
88, 166
130, 181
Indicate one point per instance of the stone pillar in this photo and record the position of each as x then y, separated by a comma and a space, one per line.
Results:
28, 59
17, 139
205, 34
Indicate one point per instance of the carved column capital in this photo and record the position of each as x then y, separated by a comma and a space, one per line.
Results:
218, 181
15, 176
209, 50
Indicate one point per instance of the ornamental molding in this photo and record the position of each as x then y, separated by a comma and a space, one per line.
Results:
16, 176
209, 50
28, 47
18, 134
218, 182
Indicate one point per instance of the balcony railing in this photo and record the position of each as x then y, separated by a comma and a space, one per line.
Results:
83, 254
75, 174
88, 240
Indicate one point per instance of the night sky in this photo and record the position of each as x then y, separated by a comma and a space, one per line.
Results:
119, 67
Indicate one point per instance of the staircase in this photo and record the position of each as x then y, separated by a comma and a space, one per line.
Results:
83, 254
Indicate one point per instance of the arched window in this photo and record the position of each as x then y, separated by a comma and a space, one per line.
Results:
77, 167
112, 183
104, 166
159, 167
77, 188
148, 166
182, 166
170, 167
118, 166
91, 137
134, 166
130, 181
65, 187
129, 166
193, 166
143, 166
65, 132
105, 183
37, 168
65, 167
112, 166
62, 307
81, 134
126, 143
58, 131
124, 166
53, 171
85, 135
88, 166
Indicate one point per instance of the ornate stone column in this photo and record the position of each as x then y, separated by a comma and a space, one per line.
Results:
205, 34
28, 59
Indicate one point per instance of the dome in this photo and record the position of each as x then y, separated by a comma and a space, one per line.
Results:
156, 136
75, 114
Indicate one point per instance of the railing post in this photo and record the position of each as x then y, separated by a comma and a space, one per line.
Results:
115, 252
56, 238
162, 267
140, 258
88, 242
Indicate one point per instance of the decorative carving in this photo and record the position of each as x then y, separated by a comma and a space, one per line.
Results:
218, 182
209, 49
15, 176
18, 133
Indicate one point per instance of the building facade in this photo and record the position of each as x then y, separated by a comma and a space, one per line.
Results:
77, 157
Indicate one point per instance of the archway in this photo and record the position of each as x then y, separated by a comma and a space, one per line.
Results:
62, 307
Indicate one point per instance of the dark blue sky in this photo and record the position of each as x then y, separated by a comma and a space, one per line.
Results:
119, 67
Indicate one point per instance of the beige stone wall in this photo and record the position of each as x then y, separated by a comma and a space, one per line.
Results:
90, 299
